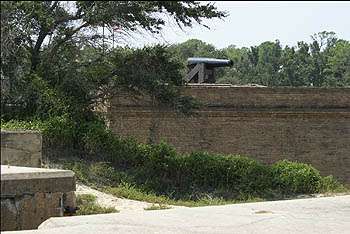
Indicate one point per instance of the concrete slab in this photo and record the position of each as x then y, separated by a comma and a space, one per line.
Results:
9, 172
315, 215
19, 180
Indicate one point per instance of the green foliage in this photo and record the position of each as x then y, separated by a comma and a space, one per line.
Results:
323, 63
129, 191
158, 207
87, 206
152, 71
54, 67
22, 125
74, 91
96, 174
194, 48
199, 173
158, 174
338, 64
329, 184
58, 129
120, 188
55, 86
159, 170
296, 178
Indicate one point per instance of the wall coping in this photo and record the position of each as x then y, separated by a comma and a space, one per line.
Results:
27, 173
263, 87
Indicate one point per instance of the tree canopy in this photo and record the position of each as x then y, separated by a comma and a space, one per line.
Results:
59, 54
324, 62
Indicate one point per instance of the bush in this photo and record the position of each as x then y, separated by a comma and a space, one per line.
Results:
231, 173
97, 173
296, 178
330, 184
87, 206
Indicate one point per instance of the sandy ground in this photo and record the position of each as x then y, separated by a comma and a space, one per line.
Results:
107, 200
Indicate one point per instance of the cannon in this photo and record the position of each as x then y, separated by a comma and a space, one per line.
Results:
201, 70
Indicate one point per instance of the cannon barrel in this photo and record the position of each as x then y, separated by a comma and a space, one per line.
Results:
209, 62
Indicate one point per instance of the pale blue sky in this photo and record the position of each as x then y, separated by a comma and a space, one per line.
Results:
251, 23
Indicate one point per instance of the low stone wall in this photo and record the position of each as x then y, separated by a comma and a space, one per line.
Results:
310, 125
29, 196
21, 148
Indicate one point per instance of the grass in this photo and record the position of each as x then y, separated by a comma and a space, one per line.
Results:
87, 206
133, 193
128, 191
158, 207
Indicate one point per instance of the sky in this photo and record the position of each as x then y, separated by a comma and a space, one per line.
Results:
251, 23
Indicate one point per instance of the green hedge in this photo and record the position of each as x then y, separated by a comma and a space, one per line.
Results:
159, 169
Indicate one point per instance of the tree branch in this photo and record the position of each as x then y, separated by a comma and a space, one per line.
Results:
66, 38
36, 49
54, 5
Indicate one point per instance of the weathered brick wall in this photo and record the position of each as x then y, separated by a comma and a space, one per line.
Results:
309, 125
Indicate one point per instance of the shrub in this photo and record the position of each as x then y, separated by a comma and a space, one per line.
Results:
330, 184
231, 173
87, 206
200, 173
296, 178
100, 142
97, 173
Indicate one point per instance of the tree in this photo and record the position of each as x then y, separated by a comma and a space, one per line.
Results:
40, 20
52, 38
237, 74
194, 48
319, 48
324, 63
338, 64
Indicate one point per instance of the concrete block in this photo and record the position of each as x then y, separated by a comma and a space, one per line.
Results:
29, 196
21, 148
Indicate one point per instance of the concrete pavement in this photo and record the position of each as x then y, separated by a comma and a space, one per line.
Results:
313, 215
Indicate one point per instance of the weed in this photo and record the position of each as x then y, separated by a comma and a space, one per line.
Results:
87, 206
158, 207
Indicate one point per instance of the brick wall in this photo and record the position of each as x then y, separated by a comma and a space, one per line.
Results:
309, 125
